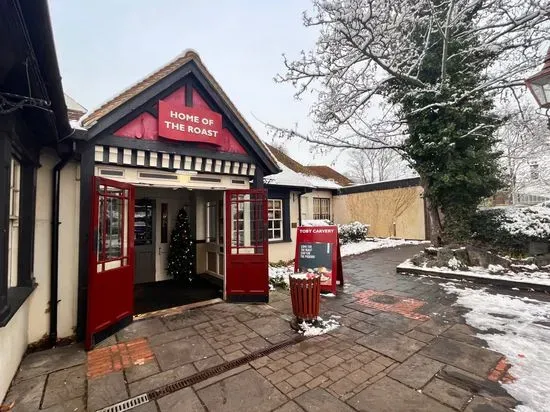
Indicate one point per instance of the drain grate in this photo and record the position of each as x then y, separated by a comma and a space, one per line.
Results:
198, 377
127, 404
217, 370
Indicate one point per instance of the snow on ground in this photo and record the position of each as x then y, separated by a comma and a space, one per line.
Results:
279, 274
324, 326
519, 329
376, 243
496, 272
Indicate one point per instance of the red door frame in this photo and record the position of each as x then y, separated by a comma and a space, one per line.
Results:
110, 287
246, 269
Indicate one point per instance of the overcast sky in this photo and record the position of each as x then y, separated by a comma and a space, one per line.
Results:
105, 46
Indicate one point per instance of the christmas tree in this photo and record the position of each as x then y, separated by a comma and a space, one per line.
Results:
181, 252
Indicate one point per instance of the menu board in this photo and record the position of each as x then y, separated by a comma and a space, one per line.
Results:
318, 251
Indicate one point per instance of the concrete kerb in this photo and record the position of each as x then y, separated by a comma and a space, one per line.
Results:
509, 284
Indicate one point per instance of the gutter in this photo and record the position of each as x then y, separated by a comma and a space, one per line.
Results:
54, 254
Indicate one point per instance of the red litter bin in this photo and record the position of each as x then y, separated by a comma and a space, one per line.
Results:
305, 291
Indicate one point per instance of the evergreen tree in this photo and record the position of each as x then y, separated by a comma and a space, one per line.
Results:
181, 252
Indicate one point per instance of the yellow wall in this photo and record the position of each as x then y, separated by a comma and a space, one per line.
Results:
392, 212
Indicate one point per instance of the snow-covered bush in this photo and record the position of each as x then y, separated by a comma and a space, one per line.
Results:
512, 227
352, 232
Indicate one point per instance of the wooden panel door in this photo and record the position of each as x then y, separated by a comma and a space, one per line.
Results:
145, 242
246, 276
111, 264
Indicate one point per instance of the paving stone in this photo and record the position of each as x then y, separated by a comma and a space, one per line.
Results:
463, 333
351, 365
208, 362
467, 357
388, 395
228, 394
146, 407
333, 361
296, 356
476, 384
182, 400
448, 394
299, 379
316, 381
416, 371
256, 344
279, 376
106, 390
160, 379
27, 394
359, 376
366, 356
316, 370
220, 377
318, 400
278, 364
421, 336
284, 387
289, 407
72, 405
391, 344
64, 385
336, 373
186, 319
342, 386
171, 336
190, 349
433, 327
137, 372
44, 362
297, 367
141, 329
480, 404
297, 392
395, 322
373, 368
268, 326
233, 355
260, 362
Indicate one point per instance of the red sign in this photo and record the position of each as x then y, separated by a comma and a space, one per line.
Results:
318, 251
189, 124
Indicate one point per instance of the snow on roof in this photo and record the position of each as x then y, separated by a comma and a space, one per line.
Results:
72, 104
293, 178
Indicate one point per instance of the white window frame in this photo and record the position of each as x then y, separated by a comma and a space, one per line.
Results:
271, 229
13, 241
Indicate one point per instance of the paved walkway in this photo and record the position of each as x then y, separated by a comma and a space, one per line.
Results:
402, 346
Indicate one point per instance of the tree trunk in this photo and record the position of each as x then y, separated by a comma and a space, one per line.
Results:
436, 227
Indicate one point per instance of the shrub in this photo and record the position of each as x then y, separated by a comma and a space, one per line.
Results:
512, 228
352, 232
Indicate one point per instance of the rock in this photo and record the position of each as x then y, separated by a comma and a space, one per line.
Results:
462, 255
543, 260
480, 257
444, 254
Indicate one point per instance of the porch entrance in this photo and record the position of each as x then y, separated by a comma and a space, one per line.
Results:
133, 238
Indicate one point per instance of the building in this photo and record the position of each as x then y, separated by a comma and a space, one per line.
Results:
298, 194
33, 139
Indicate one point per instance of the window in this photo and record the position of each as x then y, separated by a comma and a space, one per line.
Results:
13, 242
321, 208
275, 219
211, 222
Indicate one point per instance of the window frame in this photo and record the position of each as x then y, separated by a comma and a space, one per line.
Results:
318, 206
271, 230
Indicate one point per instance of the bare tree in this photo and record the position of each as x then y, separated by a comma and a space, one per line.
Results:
525, 146
429, 51
366, 166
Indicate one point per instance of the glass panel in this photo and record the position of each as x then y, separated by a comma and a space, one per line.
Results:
143, 222
113, 228
212, 261
211, 222
13, 228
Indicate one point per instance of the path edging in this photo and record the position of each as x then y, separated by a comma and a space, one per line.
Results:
475, 279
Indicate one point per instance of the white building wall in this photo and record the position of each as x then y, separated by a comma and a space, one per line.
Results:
285, 251
307, 203
13, 343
